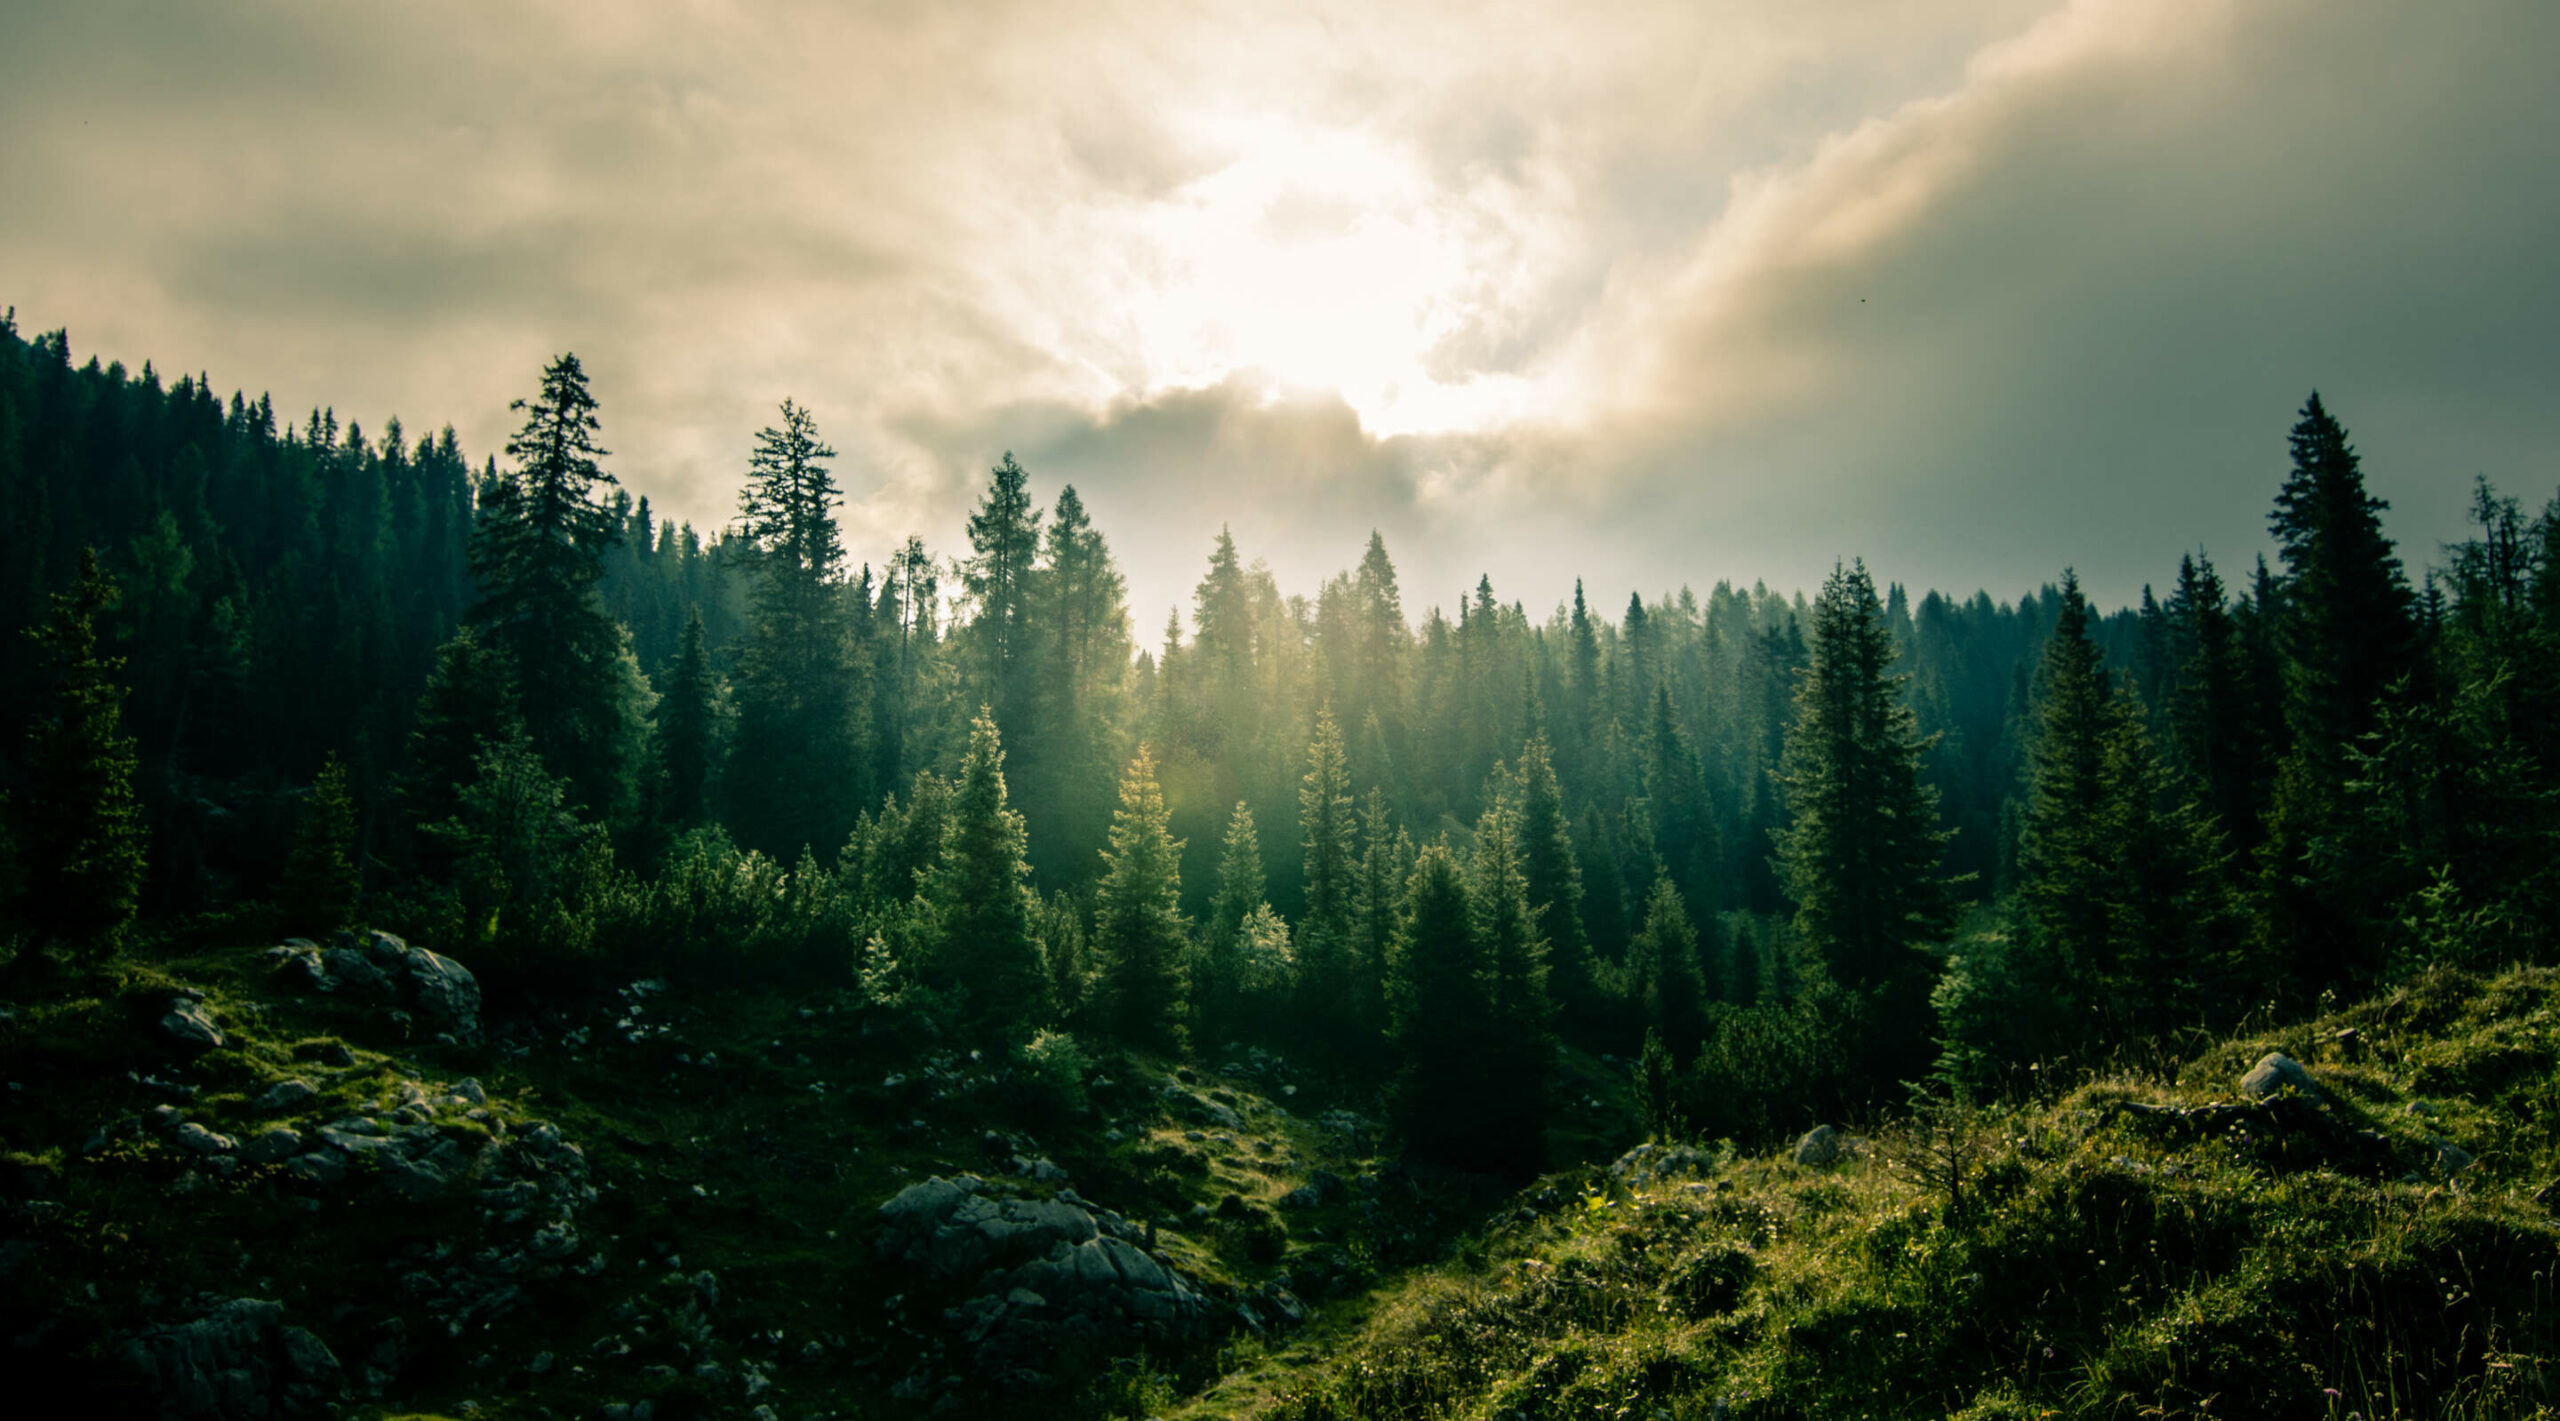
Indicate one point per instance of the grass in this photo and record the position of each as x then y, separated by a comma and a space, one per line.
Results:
2110, 1263
2112, 1257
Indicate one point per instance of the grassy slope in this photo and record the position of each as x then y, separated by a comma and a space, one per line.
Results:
2113, 1263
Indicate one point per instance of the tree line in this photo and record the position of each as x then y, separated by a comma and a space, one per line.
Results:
1779, 855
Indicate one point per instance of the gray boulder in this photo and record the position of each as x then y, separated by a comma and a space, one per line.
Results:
276, 1142
381, 969
1819, 1147
287, 1095
237, 1360
946, 1228
190, 1024
2275, 1072
196, 1139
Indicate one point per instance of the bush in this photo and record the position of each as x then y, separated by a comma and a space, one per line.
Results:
1056, 1066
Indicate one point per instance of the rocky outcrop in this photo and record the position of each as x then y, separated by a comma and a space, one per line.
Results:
238, 1359
381, 969
1041, 1274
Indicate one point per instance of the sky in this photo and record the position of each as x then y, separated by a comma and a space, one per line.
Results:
1649, 294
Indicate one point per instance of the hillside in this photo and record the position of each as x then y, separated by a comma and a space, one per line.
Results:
677, 1201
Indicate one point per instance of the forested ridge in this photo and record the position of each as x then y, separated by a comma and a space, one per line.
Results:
293, 676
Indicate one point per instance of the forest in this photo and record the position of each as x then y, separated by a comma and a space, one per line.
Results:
1768, 858
1791, 854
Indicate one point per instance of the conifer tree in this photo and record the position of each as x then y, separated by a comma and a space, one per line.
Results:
2348, 629
1240, 890
1004, 539
796, 777
2212, 735
536, 551
1139, 930
470, 700
1386, 862
2064, 857
1665, 976
688, 731
1555, 884
80, 837
986, 958
320, 880
1519, 1043
1324, 821
1861, 854
1442, 1006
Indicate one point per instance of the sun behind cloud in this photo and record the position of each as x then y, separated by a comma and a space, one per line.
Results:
1324, 259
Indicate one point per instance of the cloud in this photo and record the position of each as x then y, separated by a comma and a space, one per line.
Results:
1656, 294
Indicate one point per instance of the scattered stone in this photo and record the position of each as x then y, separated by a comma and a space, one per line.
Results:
277, 1142
2273, 1074
196, 1139
288, 1095
190, 1025
2451, 1159
1819, 1147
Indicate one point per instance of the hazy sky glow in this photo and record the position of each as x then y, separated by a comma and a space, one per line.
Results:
1650, 294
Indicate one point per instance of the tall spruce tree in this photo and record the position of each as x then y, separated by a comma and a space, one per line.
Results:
1241, 889
80, 836
986, 958
321, 884
1138, 929
2065, 859
688, 734
1325, 827
1554, 876
1665, 975
536, 551
1519, 1043
2349, 629
1441, 1101
797, 777
1861, 854
1004, 541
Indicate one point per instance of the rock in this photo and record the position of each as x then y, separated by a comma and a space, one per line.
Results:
277, 1142
2451, 1159
381, 969
190, 1025
288, 1095
1649, 1163
1323, 1187
237, 1360
469, 1091
1819, 1147
196, 1139
322, 1166
2274, 1072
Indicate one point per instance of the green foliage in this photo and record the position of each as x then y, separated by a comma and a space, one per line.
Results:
320, 882
526, 863
78, 832
1325, 826
1664, 974
800, 768
985, 958
1139, 931
1861, 857
1058, 1066
536, 550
